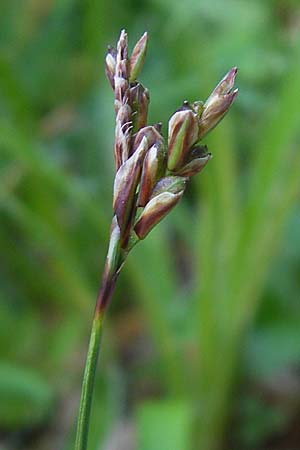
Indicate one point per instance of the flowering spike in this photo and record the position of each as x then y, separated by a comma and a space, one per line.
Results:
194, 166
226, 85
139, 151
137, 58
139, 100
122, 46
141, 179
152, 135
121, 81
173, 184
195, 161
126, 181
155, 211
122, 135
153, 168
122, 106
218, 103
110, 65
183, 134
166, 194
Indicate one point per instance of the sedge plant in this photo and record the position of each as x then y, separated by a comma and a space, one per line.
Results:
151, 176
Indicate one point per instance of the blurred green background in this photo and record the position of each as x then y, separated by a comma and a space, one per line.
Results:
201, 348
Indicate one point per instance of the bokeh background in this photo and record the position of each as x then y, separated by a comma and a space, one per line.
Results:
201, 348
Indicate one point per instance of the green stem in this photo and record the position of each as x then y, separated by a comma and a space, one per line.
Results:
110, 274
88, 384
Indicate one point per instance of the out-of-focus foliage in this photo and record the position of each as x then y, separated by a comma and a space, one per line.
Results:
201, 346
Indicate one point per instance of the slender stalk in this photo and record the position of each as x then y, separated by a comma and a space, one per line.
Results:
112, 267
88, 384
